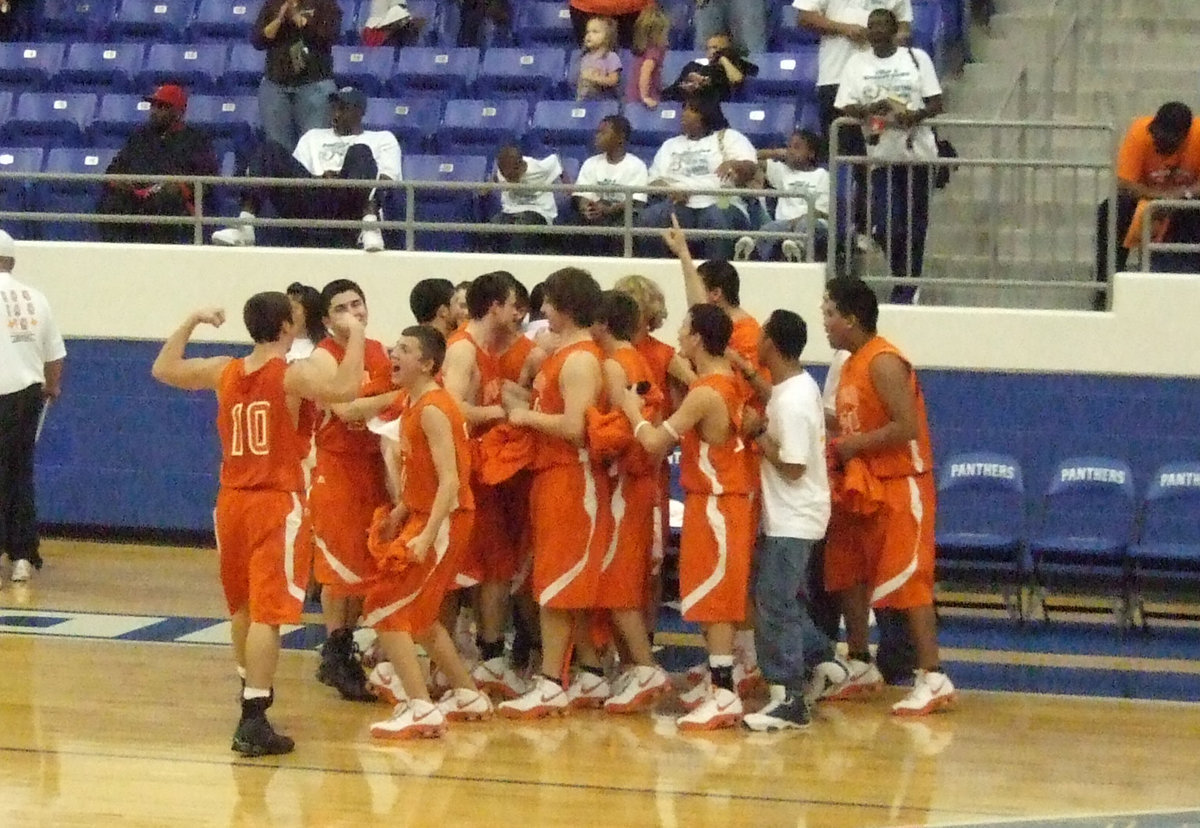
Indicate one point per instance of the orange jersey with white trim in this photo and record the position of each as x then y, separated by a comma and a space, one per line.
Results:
261, 445
635, 459
489, 377
419, 479
658, 356
744, 340
705, 468
335, 435
860, 409
510, 362
547, 397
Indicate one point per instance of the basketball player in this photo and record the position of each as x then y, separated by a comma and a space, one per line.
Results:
885, 558
432, 303
718, 527
419, 544
568, 500
349, 483
261, 529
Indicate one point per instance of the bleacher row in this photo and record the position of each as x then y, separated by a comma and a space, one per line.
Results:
1090, 534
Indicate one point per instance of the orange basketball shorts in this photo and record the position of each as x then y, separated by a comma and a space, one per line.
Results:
626, 560
345, 493
571, 525
715, 549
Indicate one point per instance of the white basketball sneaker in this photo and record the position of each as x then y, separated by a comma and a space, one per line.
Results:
698, 695
465, 705
240, 235
413, 719
722, 709
588, 690
22, 571
545, 698
385, 684
638, 689
842, 679
370, 239
931, 692
496, 677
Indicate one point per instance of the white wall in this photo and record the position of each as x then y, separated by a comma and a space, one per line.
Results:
142, 292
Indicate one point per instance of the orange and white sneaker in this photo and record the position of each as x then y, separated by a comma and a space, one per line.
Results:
413, 719
722, 710
465, 705
637, 689
931, 692
497, 678
748, 680
385, 684
545, 698
842, 679
698, 695
588, 690
697, 673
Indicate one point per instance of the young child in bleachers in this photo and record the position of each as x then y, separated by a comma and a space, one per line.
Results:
650, 31
600, 66
793, 171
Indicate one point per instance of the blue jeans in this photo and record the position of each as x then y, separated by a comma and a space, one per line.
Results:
766, 247
287, 112
789, 644
658, 214
745, 21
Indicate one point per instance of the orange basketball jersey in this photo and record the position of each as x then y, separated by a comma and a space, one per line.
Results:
860, 409
547, 397
510, 362
706, 468
635, 459
335, 435
658, 356
261, 446
419, 479
489, 377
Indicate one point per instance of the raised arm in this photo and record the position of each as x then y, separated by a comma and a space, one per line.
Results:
321, 378
693, 285
195, 374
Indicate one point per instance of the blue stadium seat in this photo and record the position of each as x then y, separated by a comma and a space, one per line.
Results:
197, 66
117, 116
650, 127
226, 200
369, 69
448, 72
230, 120
243, 70
414, 121
766, 125
71, 196
790, 33
16, 194
479, 127
431, 12
151, 20
442, 205
981, 523
41, 116
570, 126
790, 76
531, 74
1079, 544
30, 66
1166, 554
75, 19
682, 32
224, 19
101, 67
543, 24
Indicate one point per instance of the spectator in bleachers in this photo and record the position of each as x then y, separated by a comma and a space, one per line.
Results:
345, 151
611, 165
650, 38
390, 23
1159, 158
298, 37
716, 78
164, 145
842, 25
535, 207
474, 13
893, 90
623, 12
600, 66
707, 156
793, 170
745, 20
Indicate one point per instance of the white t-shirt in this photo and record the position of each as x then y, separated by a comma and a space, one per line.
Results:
692, 165
907, 78
801, 183
832, 377
323, 150
796, 419
546, 170
30, 338
302, 348
630, 171
835, 50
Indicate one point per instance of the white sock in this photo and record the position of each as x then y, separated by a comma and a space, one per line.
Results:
778, 693
255, 693
715, 661
743, 645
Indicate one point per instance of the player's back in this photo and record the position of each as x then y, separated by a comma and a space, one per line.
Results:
261, 447
717, 468
420, 479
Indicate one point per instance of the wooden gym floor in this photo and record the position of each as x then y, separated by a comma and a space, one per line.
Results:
117, 706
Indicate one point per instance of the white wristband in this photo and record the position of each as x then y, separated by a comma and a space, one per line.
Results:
671, 430
638, 427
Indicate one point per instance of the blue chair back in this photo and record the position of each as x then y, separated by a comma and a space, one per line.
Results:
63, 116
155, 20
30, 65
981, 502
446, 71
766, 125
72, 196
224, 20
435, 205
570, 126
479, 127
17, 194
199, 67
367, 68
543, 24
531, 74
117, 116
414, 121
102, 67
1088, 509
789, 75
1171, 508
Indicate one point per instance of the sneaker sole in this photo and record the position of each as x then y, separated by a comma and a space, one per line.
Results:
716, 723
938, 705
414, 732
250, 751
638, 703
540, 712
385, 695
497, 688
854, 691
774, 728
587, 703
467, 715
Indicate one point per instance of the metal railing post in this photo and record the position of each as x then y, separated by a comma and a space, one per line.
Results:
410, 213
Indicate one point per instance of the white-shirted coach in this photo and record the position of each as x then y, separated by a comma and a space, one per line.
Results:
31, 366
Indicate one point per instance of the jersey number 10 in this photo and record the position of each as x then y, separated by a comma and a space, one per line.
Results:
250, 429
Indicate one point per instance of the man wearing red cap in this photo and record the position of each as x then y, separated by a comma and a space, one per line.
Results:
165, 145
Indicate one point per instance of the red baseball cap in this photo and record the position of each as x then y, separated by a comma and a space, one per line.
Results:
170, 94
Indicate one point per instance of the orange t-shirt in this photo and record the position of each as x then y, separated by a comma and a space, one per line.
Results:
335, 435
705, 468
261, 446
860, 409
419, 479
1140, 162
547, 397
744, 340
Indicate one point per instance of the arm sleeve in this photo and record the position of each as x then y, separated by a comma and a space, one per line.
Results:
930, 88
1131, 155
822, 192
850, 85
795, 432
585, 177
388, 161
303, 152
53, 346
774, 168
738, 147
640, 177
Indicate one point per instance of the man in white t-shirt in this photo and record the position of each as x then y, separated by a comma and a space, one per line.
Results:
803, 206
842, 25
344, 151
795, 514
893, 90
707, 156
611, 165
31, 364
524, 206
